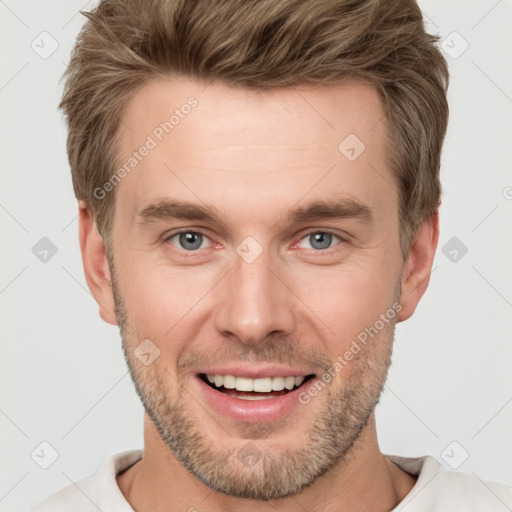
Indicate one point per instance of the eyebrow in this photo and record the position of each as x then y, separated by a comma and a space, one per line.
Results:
168, 209
345, 208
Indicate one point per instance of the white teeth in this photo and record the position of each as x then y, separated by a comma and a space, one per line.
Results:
229, 382
298, 381
241, 383
277, 383
255, 397
261, 385
289, 382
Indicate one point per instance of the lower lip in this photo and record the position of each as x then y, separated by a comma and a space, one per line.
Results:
251, 411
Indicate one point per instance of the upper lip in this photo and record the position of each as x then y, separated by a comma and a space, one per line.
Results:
256, 372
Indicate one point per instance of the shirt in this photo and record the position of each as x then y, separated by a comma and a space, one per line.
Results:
436, 490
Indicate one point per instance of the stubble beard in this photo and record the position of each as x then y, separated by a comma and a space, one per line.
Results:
260, 470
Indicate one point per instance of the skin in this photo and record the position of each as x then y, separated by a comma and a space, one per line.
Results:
254, 156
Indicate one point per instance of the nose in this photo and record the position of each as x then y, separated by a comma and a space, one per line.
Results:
254, 301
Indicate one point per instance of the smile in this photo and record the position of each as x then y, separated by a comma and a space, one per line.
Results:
246, 388
253, 400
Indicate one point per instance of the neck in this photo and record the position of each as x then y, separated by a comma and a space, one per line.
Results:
363, 480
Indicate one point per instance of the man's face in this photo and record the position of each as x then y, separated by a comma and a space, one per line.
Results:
266, 290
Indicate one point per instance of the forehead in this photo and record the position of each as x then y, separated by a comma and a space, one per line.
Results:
313, 114
215, 142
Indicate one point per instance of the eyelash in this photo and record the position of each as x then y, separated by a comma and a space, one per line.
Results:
197, 252
329, 249
189, 231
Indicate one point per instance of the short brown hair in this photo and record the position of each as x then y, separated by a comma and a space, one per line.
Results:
260, 44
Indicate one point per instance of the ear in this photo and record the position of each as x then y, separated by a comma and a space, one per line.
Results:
94, 257
417, 269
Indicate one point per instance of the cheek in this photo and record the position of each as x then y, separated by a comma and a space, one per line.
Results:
348, 300
153, 287
163, 302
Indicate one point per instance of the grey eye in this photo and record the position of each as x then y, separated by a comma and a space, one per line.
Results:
190, 241
320, 240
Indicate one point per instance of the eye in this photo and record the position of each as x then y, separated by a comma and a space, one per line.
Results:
188, 240
319, 240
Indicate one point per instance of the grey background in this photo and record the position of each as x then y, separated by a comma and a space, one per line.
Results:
63, 377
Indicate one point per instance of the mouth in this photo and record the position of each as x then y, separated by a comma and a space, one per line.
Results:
252, 396
263, 388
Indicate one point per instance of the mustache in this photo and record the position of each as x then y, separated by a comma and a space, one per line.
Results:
282, 351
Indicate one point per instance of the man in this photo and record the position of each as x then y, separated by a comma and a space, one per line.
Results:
258, 187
